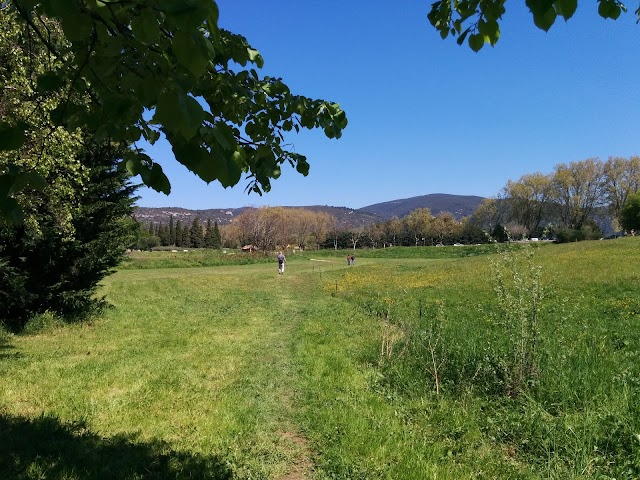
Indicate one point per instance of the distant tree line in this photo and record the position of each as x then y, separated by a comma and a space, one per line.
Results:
418, 228
175, 234
573, 202
270, 228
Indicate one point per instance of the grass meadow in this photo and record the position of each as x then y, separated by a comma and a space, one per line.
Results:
403, 366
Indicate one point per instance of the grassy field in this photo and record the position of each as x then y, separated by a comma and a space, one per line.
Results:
231, 371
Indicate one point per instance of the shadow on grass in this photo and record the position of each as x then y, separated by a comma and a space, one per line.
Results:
6, 349
46, 448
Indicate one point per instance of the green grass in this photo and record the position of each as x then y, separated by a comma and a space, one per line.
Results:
407, 252
191, 258
235, 372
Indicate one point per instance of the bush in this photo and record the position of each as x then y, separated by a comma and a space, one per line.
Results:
587, 232
49, 265
42, 322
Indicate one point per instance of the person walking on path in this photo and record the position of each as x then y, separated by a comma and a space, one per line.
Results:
281, 261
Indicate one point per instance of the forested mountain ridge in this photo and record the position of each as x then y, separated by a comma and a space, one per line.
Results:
458, 205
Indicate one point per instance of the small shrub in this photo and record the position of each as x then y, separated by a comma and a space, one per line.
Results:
519, 291
42, 322
587, 232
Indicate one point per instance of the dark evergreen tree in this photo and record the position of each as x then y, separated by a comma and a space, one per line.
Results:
178, 234
163, 235
172, 231
217, 238
208, 235
152, 228
60, 273
186, 237
196, 234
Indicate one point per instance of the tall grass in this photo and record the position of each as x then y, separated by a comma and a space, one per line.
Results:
571, 413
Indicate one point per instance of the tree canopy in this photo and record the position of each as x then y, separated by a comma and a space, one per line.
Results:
130, 70
477, 21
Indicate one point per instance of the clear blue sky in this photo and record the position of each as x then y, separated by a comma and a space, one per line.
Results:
426, 115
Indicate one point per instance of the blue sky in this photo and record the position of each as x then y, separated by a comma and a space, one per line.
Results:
426, 115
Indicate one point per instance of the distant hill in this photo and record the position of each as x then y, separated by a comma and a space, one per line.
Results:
459, 205
162, 214
347, 217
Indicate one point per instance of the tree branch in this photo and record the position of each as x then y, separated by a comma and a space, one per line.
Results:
25, 16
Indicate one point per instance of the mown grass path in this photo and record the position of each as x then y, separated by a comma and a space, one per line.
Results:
200, 360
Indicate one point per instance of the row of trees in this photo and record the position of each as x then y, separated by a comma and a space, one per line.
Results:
578, 196
419, 228
175, 234
271, 228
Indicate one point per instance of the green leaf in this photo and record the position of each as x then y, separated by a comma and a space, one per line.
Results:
255, 57
151, 173
12, 137
615, 12
148, 91
190, 53
76, 25
146, 28
539, 7
490, 30
195, 158
210, 166
156, 179
233, 171
566, 8
10, 211
134, 166
186, 14
302, 166
223, 134
546, 20
57, 114
476, 42
137, 162
179, 113
49, 81
609, 9
27, 179
463, 36
150, 135
544, 14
